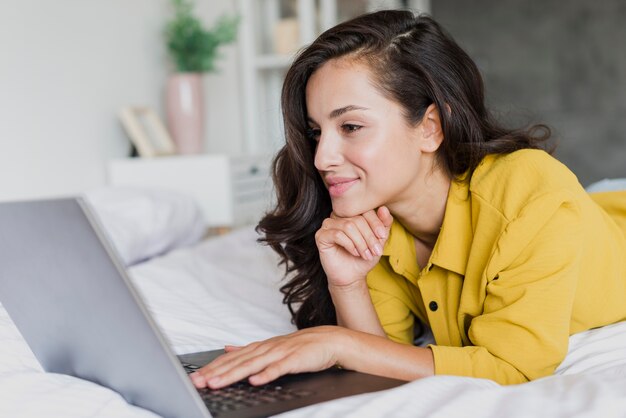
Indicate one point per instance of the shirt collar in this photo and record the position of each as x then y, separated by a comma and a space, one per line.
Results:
452, 247
400, 249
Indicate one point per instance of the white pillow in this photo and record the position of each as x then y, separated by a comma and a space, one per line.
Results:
143, 223
607, 185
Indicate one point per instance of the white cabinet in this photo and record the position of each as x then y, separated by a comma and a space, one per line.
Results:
271, 32
231, 191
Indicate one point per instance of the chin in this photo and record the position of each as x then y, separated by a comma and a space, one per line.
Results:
349, 210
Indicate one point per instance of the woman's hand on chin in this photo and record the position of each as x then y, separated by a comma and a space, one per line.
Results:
350, 247
308, 350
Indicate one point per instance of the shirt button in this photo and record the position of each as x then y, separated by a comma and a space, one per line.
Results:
433, 306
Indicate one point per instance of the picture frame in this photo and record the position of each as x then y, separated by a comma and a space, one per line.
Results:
146, 131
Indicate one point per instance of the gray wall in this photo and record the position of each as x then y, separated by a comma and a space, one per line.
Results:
553, 61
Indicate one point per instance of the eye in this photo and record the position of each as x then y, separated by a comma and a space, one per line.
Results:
350, 127
313, 133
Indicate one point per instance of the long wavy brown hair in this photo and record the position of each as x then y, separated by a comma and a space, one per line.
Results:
415, 63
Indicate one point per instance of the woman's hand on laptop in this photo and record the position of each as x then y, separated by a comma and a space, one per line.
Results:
315, 349
308, 350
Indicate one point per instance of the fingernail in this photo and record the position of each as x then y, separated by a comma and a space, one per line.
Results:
381, 232
368, 254
214, 381
378, 250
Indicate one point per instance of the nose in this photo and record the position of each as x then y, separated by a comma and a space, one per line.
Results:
328, 153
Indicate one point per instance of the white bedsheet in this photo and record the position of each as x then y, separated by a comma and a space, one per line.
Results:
225, 290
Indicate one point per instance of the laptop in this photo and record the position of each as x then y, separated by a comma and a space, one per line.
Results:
65, 289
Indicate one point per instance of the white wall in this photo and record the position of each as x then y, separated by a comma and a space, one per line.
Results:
67, 66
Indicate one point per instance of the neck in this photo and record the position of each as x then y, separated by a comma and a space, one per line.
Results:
422, 210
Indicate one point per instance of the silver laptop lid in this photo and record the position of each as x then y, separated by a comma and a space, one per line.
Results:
62, 285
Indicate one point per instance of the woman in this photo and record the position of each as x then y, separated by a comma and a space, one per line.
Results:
401, 202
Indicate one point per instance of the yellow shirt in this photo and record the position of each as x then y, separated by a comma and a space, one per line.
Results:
524, 259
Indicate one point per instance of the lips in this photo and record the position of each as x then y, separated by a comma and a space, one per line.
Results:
337, 186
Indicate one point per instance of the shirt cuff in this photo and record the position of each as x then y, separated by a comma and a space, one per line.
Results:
473, 361
448, 362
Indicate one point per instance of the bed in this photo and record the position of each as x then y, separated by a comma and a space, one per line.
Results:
206, 292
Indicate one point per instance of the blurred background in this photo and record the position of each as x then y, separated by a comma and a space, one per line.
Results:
67, 67
558, 62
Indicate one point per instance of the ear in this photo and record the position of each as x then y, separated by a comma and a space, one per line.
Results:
432, 135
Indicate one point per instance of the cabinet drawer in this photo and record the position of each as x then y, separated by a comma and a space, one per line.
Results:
231, 191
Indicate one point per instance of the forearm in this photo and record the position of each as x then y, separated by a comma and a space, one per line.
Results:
354, 308
380, 356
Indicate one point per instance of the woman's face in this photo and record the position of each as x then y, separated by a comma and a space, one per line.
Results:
367, 153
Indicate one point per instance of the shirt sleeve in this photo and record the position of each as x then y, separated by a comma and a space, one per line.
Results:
614, 204
523, 332
392, 301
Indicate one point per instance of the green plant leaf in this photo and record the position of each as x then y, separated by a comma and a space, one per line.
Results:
191, 47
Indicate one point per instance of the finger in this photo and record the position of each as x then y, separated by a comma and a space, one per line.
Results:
367, 235
371, 226
232, 348
272, 372
376, 224
237, 357
329, 238
224, 362
359, 232
385, 216
200, 377
198, 380
245, 369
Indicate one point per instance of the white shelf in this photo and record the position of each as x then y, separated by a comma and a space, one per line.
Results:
262, 70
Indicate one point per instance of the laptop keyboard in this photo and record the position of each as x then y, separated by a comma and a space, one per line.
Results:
243, 395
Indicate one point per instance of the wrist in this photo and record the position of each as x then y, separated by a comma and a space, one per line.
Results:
353, 286
343, 347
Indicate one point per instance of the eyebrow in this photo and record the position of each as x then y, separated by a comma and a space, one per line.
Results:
338, 112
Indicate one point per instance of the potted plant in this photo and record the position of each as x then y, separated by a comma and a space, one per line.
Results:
193, 50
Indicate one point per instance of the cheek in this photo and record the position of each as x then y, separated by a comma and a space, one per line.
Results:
383, 153
367, 159
386, 159
372, 154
